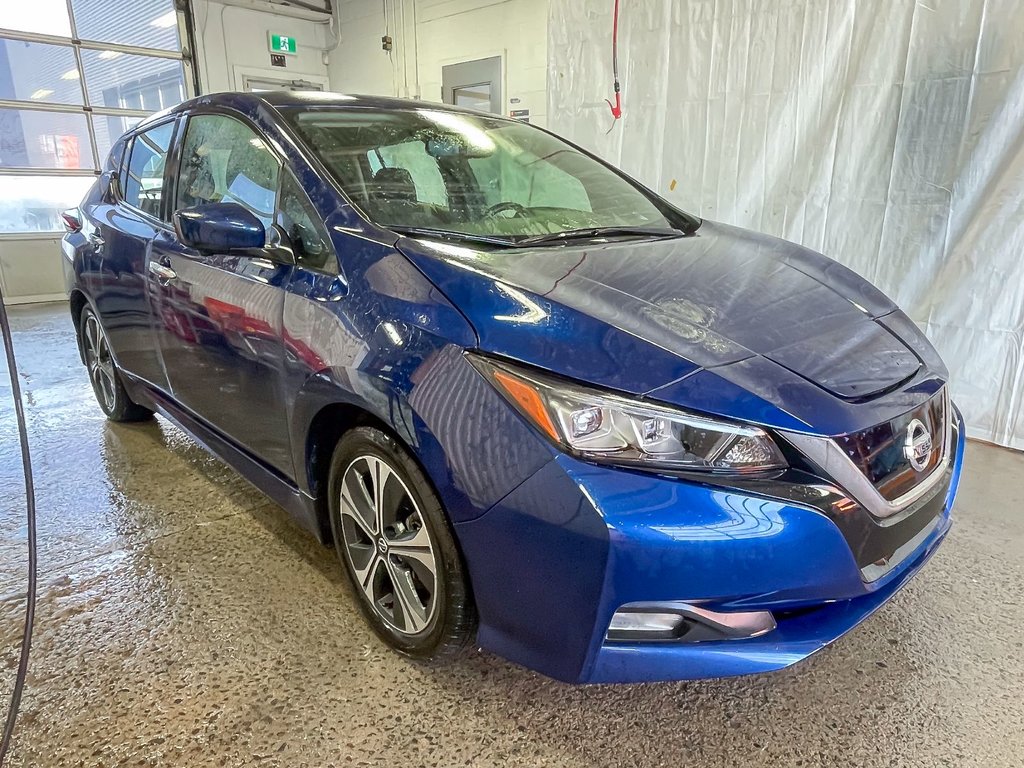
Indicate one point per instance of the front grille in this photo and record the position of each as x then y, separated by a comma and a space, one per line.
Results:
878, 452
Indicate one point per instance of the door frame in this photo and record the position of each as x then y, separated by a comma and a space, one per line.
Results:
182, 397
241, 74
468, 66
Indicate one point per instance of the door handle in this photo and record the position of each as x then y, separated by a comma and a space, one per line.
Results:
96, 242
163, 274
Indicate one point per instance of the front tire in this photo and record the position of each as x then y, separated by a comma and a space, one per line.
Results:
394, 540
103, 373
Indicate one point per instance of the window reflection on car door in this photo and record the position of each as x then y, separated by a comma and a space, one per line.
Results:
221, 313
125, 225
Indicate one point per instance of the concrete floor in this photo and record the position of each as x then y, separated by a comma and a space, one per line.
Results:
183, 621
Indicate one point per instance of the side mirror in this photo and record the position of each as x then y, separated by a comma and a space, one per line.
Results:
220, 227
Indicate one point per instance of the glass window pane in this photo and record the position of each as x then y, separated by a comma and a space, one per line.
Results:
47, 16
34, 203
546, 185
473, 96
300, 221
108, 129
127, 81
31, 138
39, 72
531, 181
144, 23
224, 161
410, 174
144, 186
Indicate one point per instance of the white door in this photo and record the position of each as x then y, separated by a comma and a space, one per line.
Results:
474, 84
257, 83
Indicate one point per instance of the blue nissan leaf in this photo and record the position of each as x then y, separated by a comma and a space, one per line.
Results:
534, 406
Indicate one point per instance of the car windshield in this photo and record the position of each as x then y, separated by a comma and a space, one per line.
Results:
443, 172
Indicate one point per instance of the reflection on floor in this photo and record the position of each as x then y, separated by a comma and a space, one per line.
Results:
183, 622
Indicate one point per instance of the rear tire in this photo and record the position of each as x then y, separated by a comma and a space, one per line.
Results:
104, 374
394, 540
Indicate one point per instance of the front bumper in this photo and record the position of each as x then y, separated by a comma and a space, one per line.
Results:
552, 562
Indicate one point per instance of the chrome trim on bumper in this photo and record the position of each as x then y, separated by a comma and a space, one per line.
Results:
826, 453
725, 624
732, 623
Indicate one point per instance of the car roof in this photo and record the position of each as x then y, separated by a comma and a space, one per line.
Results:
247, 102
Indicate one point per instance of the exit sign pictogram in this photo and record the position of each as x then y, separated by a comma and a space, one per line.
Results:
282, 44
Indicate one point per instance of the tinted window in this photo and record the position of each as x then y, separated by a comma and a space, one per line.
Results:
224, 160
144, 181
300, 221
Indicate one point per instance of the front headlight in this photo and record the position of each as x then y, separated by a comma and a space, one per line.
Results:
613, 429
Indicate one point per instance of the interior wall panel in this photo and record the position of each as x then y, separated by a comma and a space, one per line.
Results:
888, 134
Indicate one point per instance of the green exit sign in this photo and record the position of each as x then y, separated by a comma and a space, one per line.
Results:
282, 44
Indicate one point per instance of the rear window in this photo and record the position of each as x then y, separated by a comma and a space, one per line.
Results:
142, 182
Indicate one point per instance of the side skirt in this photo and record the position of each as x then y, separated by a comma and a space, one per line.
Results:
301, 507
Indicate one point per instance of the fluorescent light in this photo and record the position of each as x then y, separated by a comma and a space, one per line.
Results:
71, 74
110, 54
169, 19
42, 93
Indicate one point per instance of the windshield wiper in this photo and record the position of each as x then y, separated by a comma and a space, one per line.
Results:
550, 238
451, 234
590, 233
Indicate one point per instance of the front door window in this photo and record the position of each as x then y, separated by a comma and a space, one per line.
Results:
224, 160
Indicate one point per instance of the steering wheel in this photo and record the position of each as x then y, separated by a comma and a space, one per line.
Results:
505, 205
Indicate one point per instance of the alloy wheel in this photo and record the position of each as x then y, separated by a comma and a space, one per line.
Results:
98, 361
388, 545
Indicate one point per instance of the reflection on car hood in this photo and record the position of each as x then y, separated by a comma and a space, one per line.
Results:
637, 315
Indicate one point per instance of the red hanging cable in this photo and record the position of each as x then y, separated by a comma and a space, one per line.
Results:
616, 108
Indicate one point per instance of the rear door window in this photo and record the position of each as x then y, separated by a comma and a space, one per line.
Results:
143, 179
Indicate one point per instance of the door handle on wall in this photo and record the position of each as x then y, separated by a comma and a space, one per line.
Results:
163, 273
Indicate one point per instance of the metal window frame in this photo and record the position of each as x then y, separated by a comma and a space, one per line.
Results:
475, 72
91, 112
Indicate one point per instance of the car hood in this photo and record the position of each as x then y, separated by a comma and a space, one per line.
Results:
762, 314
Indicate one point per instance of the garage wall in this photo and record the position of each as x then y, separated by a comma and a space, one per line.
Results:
232, 42
888, 134
31, 268
431, 33
360, 65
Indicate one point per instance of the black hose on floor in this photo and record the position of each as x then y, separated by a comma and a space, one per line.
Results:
30, 503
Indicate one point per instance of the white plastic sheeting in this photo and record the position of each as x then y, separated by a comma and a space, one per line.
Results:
887, 134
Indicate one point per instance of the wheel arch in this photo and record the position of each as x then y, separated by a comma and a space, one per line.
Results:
326, 427
78, 303
322, 414
470, 444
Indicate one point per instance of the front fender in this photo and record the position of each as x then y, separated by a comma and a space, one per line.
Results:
393, 347
473, 447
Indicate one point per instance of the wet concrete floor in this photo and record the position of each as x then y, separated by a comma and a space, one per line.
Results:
183, 621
